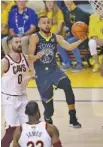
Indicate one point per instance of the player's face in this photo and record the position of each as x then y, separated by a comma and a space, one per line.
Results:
68, 3
16, 45
45, 25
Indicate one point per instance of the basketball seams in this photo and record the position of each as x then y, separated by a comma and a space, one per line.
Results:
79, 29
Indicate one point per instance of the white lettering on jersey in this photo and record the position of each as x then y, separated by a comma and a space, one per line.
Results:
35, 136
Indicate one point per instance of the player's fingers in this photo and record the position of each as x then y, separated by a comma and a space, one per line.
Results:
40, 54
84, 38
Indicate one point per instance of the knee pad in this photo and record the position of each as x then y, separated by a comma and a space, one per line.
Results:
64, 83
66, 86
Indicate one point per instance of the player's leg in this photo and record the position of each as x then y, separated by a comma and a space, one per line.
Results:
11, 118
22, 102
70, 99
47, 101
46, 93
49, 110
62, 82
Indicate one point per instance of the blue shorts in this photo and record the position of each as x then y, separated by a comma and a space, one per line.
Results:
45, 83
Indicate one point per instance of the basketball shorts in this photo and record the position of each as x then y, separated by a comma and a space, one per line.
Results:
14, 109
45, 83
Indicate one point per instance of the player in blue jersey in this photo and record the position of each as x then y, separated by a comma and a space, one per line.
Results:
48, 73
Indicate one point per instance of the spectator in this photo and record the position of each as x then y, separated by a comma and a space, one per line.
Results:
55, 14
22, 22
95, 38
72, 15
5, 8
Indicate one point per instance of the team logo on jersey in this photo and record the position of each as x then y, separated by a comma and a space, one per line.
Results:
48, 50
33, 126
52, 40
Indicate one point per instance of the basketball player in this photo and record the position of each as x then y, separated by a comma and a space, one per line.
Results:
47, 71
36, 132
14, 67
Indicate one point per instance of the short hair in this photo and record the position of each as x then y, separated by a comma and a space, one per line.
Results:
42, 17
31, 108
10, 39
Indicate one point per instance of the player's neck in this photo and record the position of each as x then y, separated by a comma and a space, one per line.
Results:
33, 121
45, 34
15, 56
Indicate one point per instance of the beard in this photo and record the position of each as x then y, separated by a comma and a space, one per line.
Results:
45, 31
17, 50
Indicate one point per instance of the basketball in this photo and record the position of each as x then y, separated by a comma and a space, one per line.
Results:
79, 29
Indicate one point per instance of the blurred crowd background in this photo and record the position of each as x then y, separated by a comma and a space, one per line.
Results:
21, 18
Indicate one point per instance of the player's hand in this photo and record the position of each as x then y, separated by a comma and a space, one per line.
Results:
27, 79
39, 55
83, 38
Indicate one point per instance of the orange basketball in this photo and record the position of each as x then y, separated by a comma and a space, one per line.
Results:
79, 29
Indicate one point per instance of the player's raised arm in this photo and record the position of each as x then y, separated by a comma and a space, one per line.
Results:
16, 137
4, 66
67, 45
54, 133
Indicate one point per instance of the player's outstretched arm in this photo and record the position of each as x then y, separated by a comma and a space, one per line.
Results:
54, 134
16, 137
66, 45
4, 66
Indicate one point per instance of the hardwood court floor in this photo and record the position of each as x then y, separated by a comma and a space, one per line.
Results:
89, 104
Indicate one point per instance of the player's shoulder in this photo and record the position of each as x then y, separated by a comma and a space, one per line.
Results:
35, 37
5, 61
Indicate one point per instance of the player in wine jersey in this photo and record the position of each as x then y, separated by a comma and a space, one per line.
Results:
14, 71
48, 72
35, 132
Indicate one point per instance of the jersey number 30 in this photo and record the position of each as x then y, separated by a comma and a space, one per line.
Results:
19, 78
38, 143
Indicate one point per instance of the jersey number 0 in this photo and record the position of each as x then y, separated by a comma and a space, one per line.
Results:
19, 78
